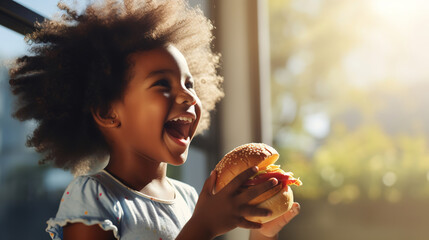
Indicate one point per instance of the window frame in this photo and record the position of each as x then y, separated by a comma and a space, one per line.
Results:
18, 18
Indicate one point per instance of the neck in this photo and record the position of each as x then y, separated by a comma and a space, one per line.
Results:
136, 171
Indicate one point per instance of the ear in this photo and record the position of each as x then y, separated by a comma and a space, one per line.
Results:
110, 120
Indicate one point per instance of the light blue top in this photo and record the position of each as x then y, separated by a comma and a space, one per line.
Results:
102, 199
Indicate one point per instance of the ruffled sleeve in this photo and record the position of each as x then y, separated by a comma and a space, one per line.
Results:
86, 201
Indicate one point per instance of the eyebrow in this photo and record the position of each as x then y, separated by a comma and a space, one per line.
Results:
164, 71
158, 72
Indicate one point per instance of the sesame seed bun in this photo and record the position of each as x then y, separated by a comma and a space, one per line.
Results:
278, 199
242, 158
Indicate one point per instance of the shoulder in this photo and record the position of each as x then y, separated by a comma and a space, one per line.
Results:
181, 185
88, 187
86, 200
187, 191
88, 195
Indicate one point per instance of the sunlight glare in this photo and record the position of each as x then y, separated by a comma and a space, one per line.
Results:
394, 47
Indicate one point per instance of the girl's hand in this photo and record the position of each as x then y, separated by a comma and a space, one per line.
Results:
270, 229
216, 214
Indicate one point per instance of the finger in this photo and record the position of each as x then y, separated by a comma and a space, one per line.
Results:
249, 210
241, 178
273, 227
209, 183
254, 192
243, 223
294, 211
287, 217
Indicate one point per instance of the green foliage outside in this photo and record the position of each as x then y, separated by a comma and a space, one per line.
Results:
376, 147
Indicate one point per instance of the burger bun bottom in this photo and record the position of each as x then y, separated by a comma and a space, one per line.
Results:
279, 204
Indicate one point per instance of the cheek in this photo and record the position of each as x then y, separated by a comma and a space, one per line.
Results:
146, 117
166, 95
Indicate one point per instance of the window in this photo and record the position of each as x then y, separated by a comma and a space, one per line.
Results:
349, 95
44, 7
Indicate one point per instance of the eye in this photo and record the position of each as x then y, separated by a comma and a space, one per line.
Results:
162, 83
189, 84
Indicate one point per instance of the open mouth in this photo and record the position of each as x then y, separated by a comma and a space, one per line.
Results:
179, 128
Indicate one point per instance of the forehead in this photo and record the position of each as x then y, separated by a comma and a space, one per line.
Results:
163, 58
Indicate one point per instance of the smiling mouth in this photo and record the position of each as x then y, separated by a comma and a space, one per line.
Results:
179, 128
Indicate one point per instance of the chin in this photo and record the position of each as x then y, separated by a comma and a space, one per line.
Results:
177, 159
177, 162
176, 153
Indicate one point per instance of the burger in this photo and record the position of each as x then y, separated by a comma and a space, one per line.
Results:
278, 199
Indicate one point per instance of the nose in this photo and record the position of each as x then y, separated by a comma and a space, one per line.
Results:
185, 96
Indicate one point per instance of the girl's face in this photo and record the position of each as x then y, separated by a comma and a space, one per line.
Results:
160, 110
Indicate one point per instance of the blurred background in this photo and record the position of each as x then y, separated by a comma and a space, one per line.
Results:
349, 101
338, 87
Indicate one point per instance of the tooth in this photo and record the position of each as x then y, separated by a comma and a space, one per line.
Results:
186, 119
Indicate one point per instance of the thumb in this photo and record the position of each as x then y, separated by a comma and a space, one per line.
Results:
210, 183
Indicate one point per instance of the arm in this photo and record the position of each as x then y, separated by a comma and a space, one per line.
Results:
83, 232
216, 214
194, 230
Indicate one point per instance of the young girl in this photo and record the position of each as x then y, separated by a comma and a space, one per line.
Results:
131, 82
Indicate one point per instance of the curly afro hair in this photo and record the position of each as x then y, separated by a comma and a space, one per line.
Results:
80, 62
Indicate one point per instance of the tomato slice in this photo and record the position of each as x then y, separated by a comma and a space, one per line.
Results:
281, 177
